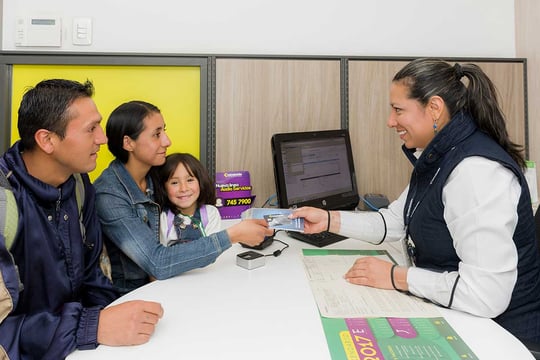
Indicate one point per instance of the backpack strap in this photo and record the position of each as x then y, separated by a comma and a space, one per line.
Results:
104, 261
9, 212
10, 284
79, 193
204, 215
79, 196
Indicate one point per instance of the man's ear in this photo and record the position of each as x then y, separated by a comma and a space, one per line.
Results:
45, 140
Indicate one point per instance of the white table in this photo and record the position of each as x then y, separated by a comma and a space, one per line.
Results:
224, 311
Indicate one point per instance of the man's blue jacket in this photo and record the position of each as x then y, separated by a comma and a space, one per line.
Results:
63, 287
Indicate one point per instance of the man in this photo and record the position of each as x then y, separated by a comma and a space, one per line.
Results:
60, 306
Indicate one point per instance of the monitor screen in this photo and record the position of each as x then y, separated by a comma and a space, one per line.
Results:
315, 168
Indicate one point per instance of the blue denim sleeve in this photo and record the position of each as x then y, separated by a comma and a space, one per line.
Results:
134, 228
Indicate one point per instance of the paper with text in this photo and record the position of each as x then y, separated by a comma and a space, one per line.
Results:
336, 298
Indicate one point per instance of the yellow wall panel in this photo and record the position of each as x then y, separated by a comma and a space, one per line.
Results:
175, 90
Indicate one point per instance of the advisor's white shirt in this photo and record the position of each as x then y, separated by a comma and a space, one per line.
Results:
480, 200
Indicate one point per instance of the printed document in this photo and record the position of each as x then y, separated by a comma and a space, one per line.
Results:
337, 298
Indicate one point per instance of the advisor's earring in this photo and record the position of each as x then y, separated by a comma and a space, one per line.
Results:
435, 126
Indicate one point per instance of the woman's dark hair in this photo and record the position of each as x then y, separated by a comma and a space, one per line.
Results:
195, 168
47, 106
127, 120
433, 77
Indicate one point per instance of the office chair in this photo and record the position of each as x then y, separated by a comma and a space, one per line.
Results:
533, 347
537, 224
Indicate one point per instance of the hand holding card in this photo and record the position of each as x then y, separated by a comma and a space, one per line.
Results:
277, 219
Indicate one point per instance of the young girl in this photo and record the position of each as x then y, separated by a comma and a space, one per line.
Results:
126, 203
186, 195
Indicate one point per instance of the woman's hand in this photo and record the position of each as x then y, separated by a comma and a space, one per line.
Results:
375, 272
249, 232
315, 220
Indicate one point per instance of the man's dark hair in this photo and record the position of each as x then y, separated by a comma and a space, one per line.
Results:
47, 106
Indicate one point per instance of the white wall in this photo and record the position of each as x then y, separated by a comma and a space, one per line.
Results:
479, 28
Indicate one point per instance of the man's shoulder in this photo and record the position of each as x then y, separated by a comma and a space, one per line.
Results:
4, 165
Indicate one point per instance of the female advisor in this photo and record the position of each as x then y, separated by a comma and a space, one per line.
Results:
466, 214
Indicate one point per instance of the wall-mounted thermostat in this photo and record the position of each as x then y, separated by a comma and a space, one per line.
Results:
39, 31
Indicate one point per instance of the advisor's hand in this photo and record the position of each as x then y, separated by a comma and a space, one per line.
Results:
370, 271
315, 220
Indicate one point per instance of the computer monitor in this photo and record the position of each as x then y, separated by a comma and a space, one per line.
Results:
315, 168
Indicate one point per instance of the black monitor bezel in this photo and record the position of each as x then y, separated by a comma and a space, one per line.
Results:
343, 201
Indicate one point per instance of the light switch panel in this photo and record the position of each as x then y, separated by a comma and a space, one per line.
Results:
82, 31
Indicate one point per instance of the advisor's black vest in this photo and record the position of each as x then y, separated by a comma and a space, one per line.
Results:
424, 213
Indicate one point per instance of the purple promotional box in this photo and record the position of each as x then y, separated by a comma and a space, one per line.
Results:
233, 193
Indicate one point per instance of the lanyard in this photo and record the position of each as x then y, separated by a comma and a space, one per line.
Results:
410, 209
407, 243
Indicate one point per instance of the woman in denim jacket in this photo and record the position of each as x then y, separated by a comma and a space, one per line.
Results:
129, 214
